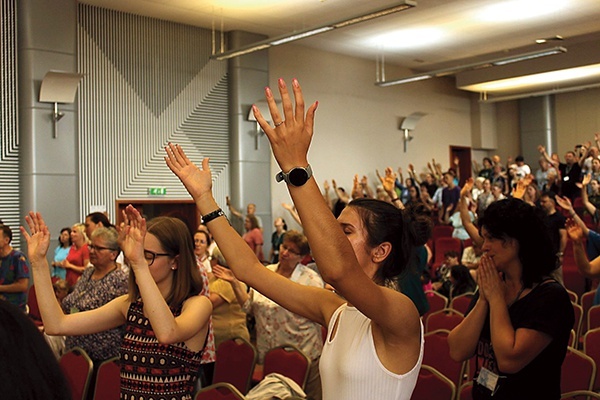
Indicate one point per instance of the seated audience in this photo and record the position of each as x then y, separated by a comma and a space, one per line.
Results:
459, 282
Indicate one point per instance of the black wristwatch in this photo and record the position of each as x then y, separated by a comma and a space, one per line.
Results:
297, 176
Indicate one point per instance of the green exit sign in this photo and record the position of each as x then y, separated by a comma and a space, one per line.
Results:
157, 191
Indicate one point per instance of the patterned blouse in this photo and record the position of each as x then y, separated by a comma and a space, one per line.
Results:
276, 326
89, 294
151, 370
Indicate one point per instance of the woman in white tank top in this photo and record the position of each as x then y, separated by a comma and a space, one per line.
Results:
374, 342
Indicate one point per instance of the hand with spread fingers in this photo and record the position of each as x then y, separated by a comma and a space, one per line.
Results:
292, 134
574, 230
198, 182
38, 241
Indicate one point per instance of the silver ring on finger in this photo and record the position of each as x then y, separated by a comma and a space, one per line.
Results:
279, 123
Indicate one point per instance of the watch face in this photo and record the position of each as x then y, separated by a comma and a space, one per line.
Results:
298, 176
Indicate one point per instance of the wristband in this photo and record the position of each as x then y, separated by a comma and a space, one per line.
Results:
395, 199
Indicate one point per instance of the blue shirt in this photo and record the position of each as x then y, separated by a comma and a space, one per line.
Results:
14, 267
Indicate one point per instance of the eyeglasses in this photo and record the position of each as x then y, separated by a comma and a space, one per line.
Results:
150, 256
93, 247
200, 241
289, 250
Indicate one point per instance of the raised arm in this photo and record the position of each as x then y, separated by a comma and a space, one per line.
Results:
310, 302
232, 209
584, 195
589, 269
331, 248
238, 287
465, 217
192, 324
565, 203
55, 321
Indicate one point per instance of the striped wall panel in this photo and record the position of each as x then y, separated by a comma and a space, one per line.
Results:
147, 82
9, 138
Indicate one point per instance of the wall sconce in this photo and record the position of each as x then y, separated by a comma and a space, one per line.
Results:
408, 124
263, 107
59, 87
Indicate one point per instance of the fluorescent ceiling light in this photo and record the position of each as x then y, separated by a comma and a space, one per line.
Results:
403, 5
541, 93
560, 76
481, 64
511, 10
407, 38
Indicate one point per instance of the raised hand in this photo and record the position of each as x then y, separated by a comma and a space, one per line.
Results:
541, 149
224, 273
356, 188
198, 182
326, 186
389, 181
131, 236
287, 206
564, 203
574, 230
292, 134
38, 241
467, 188
519, 191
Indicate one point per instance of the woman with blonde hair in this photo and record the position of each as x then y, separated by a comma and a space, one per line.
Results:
79, 254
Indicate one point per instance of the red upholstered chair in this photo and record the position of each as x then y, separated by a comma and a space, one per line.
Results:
461, 302
573, 296
32, 305
587, 301
572, 278
591, 347
78, 368
593, 317
439, 231
578, 371
466, 391
580, 395
287, 360
108, 380
437, 355
578, 311
432, 384
236, 359
436, 302
219, 391
443, 319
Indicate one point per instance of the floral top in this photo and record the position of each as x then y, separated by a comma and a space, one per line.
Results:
89, 294
276, 326
209, 355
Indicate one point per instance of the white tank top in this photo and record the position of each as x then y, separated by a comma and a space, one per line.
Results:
350, 368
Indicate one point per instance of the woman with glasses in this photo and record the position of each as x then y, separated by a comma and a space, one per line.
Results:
101, 282
165, 318
276, 326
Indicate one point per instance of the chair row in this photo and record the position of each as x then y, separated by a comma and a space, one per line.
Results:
236, 365
79, 372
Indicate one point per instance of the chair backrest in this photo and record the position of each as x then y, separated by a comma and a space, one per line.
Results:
437, 302
108, 380
78, 368
441, 231
443, 319
578, 312
580, 395
219, 391
235, 363
593, 317
287, 360
32, 305
437, 355
578, 371
573, 296
591, 347
432, 384
461, 302
587, 301
466, 391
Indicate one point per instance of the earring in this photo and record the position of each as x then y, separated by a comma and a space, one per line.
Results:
173, 268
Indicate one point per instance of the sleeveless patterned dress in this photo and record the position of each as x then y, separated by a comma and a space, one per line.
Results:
150, 370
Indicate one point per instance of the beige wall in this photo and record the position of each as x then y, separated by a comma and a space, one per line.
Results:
577, 118
357, 123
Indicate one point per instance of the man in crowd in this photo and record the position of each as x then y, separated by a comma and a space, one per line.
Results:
14, 271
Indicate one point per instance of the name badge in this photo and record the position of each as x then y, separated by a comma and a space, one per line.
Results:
487, 379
